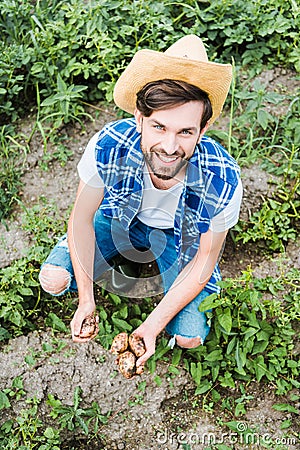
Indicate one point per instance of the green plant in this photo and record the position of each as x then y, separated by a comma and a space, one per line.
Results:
63, 106
12, 159
20, 291
252, 338
257, 342
19, 297
15, 392
277, 221
89, 43
27, 431
74, 417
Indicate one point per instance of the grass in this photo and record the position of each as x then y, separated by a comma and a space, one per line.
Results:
55, 59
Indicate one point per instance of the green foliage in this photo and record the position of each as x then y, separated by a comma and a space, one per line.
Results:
118, 314
12, 158
252, 336
277, 222
74, 417
263, 125
27, 431
20, 291
85, 45
65, 103
19, 296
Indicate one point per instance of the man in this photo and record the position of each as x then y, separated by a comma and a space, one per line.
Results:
154, 183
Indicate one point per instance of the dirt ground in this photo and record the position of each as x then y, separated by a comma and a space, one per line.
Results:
143, 414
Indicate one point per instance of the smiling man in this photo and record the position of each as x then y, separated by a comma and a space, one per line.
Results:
156, 188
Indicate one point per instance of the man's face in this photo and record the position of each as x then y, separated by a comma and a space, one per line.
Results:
169, 137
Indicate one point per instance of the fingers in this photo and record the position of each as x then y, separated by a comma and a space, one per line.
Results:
84, 325
140, 363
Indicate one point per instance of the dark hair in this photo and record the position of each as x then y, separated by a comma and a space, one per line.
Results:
165, 94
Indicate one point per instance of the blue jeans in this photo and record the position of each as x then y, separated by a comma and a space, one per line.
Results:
141, 244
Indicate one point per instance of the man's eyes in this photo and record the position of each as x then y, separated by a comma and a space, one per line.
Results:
185, 132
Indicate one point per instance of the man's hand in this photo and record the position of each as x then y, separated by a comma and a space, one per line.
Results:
149, 340
83, 311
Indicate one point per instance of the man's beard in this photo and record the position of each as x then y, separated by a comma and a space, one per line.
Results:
163, 172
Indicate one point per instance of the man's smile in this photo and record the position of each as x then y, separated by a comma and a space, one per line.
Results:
167, 159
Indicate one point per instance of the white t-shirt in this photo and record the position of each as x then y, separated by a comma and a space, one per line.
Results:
158, 205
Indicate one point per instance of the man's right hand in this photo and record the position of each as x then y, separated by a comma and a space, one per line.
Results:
83, 311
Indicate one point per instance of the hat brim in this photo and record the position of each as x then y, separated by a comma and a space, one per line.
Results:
149, 65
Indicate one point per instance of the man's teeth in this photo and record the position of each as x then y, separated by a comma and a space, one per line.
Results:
167, 158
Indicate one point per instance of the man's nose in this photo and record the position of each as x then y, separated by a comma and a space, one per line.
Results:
170, 143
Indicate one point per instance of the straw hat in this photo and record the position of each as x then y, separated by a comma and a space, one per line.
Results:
186, 60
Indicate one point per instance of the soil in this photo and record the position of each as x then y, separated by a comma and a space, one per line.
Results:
144, 414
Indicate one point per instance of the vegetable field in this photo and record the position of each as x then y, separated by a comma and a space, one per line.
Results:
59, 62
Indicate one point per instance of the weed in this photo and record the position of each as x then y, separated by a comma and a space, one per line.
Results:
74, 417
12, 159
277, 221
27, 431
20, 292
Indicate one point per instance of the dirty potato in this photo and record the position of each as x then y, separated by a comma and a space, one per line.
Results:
89, 327
127, 364
119, 344
137, 345
128, 349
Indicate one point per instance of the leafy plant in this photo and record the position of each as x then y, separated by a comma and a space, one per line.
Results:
27, 431
74, 417
86, 45
64, 104
252, 338
277, 221
248, 340
20, 291
12, 159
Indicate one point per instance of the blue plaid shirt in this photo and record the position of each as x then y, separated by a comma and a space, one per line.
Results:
211, 178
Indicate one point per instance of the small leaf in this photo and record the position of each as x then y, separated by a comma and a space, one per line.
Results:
196, 372
212, 301
231, 345
215, 355
30, 360
225, 319
174, 370
121, 324
263, 118
206, 386
25, 291
4, 402
259, 347
177, 352
285, 407
56, 323
285, 424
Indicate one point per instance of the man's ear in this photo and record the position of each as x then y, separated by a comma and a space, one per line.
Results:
139, 120
203, 131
